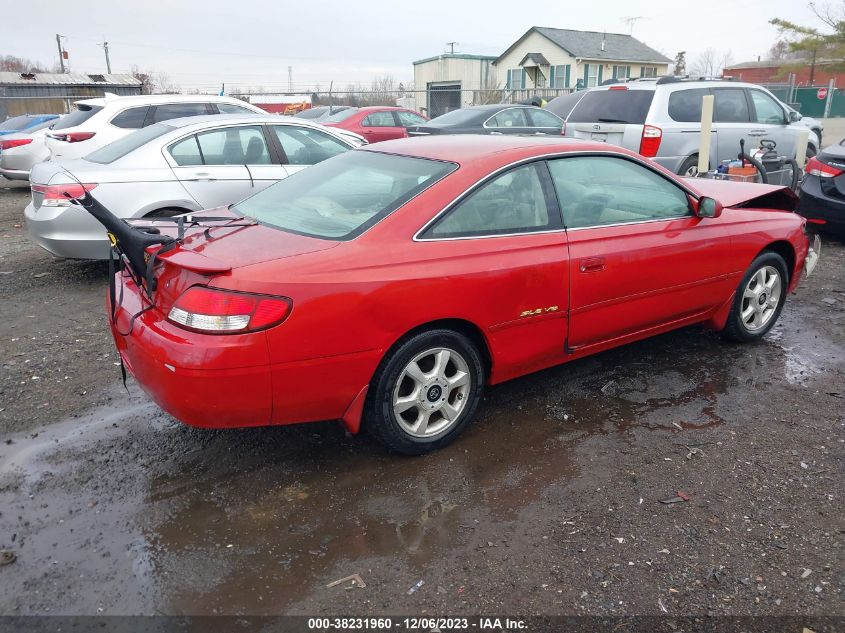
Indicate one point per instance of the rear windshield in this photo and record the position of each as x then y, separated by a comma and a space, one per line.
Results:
15, 123
612, 106
342, 197
129, 143
340, 116
456, 117
83, 113
563, 105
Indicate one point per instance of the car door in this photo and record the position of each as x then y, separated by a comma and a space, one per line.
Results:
639, 257
226, 164
769, 121
507, 236
732, 122
381, 126
543, 122
509, 121
302, 146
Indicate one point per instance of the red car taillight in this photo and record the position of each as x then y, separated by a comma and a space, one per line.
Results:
650, 142
818, 168
57, 195
15, 142
214, 311
73, 137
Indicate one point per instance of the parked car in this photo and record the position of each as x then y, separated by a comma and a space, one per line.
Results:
20, 151
661, 119
410, 275
24, 123
376, 123
822, 194
500, 118
320, 113
97, 122
172, 168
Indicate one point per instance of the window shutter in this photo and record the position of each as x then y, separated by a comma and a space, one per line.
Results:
552, 77
586, 75
598, 80
566, 75
523, 82
508, 80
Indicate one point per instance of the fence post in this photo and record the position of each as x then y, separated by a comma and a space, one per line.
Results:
831, 85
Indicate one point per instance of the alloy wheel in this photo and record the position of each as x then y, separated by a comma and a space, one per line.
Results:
760, 298
432, 392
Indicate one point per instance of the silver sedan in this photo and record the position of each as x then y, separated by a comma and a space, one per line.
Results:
170, 168
20, 151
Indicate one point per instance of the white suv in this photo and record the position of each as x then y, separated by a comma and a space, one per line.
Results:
661, 119
97, 122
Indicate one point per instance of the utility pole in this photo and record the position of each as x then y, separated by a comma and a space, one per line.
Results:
105, 46
61, 52
290, 79
451, 46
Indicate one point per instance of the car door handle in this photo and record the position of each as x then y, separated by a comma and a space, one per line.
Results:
756, 132
201, 176
591, 264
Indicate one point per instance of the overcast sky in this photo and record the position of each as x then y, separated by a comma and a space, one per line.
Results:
251, 43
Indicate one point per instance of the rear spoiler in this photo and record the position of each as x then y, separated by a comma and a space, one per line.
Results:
191, 260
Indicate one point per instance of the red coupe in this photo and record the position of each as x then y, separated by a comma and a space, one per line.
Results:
376, 123
386, 287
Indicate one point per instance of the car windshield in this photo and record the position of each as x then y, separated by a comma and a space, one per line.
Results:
15, 123
342, 197
612, 106
455, 117
129, 143
340, 116
83, 113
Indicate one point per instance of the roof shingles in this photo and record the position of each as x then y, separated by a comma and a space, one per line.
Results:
588, 45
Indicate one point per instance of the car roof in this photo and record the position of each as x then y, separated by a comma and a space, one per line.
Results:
502, 149
373, 108
130, 100
225, 119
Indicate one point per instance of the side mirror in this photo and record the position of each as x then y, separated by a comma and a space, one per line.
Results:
794, 116
708, 208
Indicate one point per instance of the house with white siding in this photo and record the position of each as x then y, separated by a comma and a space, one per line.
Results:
562, 58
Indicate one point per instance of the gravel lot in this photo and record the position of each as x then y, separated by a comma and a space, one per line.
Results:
549, 504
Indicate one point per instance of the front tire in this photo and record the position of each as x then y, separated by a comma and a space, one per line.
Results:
759, 299
425, 392
689, 167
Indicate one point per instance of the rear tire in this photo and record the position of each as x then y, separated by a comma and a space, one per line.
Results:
759, 299
167, 212
425, 392
689, 167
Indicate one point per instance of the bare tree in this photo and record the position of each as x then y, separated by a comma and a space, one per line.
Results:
681, 63
12, 63
153, 82
711, 63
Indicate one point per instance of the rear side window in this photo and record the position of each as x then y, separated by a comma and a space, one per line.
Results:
83, 113
178, 110
132, 118
243, 145
563, 105
409, 119
379, 119
730, 105
685, 105
122, 146
513, 202
541, 118
612, 106
186, 152
512, 117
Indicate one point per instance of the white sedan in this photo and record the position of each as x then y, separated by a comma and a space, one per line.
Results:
171, 168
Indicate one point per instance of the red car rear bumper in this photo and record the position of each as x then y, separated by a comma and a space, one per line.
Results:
229, 381
202, 380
